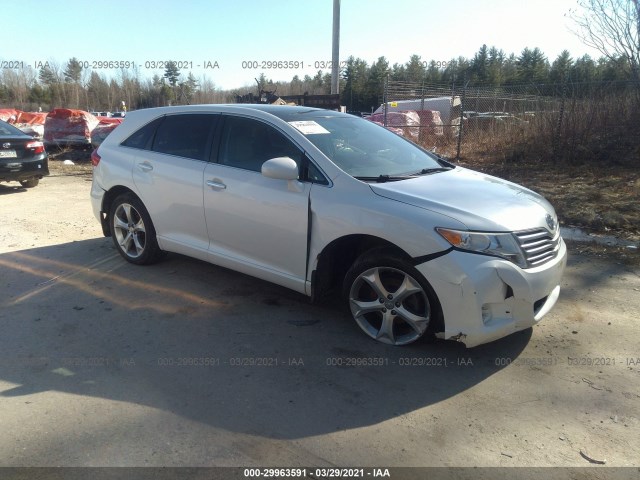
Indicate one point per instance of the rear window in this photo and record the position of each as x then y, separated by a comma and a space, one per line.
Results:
6, 129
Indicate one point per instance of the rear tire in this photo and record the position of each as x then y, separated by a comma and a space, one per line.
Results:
389, 299
30, 183
132, 230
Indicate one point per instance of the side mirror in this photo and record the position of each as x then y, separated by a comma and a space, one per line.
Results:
280, 168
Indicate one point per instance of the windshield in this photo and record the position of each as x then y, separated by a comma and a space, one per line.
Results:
364, 149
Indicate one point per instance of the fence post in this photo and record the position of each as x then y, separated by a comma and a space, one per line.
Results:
461, 127
421, 134
385, 100
556, 137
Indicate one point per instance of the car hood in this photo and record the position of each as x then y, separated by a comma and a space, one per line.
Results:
480, 201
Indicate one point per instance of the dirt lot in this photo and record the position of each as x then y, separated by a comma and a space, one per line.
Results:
186, 364
603, 199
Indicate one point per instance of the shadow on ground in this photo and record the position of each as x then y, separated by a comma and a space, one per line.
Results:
212, 345
11, 188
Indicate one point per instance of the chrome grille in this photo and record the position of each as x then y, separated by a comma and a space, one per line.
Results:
539, 245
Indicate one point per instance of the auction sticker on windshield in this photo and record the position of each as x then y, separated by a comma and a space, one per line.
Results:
308, 127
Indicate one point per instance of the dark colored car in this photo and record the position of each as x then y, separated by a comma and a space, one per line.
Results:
22, 158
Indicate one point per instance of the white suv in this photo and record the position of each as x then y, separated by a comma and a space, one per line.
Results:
322, 202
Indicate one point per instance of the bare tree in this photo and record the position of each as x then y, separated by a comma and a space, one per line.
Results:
613, 28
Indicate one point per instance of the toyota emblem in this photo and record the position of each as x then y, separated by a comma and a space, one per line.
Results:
551, 222
6, 145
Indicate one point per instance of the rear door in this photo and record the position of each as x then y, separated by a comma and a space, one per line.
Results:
169, 179
256, 224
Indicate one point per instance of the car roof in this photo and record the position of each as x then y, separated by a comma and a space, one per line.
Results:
276, 113
285, 112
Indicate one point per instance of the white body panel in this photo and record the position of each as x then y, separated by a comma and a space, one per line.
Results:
258, 222
472, 290
172, 189
277, 229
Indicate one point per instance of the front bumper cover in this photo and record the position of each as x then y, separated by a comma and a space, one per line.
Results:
486, 298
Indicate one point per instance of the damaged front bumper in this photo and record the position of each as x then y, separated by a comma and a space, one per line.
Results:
485, 298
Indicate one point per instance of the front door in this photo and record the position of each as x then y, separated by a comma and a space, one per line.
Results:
256, 224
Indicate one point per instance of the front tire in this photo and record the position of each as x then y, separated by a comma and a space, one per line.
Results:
132, 230
389, 299
30, 183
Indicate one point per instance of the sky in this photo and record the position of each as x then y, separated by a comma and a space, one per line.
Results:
215, 37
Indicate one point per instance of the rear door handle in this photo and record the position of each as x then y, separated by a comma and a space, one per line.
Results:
214, 184
145, 166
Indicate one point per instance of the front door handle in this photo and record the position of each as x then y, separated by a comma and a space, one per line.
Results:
145, 166
214, 184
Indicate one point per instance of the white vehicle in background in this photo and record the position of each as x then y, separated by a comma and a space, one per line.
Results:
329, 204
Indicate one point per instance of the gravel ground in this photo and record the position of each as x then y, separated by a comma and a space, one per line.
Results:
186, 364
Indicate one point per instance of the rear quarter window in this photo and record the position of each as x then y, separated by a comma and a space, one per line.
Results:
143, 137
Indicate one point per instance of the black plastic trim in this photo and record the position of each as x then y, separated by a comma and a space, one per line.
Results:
431, 256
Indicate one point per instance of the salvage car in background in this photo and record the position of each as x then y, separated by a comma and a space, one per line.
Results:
66, 127
22, 158
327, 203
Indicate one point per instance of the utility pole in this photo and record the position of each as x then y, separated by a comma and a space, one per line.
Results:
335, 56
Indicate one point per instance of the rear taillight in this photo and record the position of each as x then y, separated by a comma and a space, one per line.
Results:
95, 158
36, 147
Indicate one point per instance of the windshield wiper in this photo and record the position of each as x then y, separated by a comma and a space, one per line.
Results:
385, 178
426, 171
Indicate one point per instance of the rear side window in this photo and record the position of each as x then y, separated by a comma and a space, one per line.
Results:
186, 135
142, 138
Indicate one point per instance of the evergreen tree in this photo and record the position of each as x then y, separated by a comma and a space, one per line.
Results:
73, 71
561, 67
480, 66
47, 76
510, 70
171, 73
612, 70
495, 68
584, 70
533, 66
433, 73
355, 76
398, 72
376, 79
415, 69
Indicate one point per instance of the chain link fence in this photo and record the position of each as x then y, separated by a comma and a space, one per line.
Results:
565, 121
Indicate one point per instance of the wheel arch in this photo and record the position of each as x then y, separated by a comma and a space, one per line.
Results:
107, 202
338, 256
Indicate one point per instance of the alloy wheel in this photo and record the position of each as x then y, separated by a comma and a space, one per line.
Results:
129, 230
390, 305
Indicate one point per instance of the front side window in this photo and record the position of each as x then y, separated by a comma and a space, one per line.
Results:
187, 135
248, 143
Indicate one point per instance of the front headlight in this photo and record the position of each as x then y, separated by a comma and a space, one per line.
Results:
502, 245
